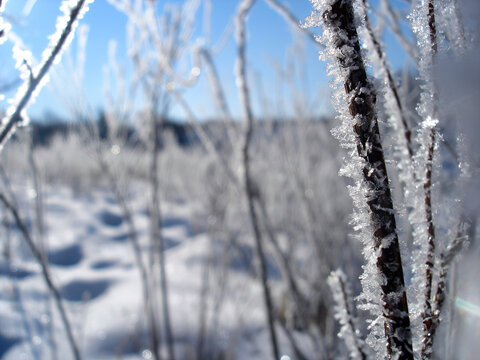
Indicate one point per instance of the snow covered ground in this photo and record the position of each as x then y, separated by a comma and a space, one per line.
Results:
93, 266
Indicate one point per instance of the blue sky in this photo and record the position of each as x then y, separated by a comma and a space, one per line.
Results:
270, 40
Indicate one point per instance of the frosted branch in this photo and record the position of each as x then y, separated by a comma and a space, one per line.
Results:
344, 314
372, 194
66, 24
389, 80
251, 189
219, 95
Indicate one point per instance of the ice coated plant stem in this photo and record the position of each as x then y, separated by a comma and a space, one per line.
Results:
9, 123
428, 321
40, 228
339, 18
390, 81
446, 258
251, 191
430, 261
156, 231
46, 275
219, 95
133, 237
344, 313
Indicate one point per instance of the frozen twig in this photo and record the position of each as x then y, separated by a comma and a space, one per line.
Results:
343, 43
219, 95
41, 233
389, 80
149, 306
395, 26
37, 78
428, 332
206, 141
430, 262
251, 190
299, 299
344, 313
156, 234
446, 259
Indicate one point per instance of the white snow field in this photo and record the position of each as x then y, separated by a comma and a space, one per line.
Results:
93, 266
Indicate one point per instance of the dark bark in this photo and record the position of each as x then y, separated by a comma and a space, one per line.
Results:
428, 321
340, 18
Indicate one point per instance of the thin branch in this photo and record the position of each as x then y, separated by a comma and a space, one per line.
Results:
251, 190
206, 140
10, 122
219, 95
345, 316
390, 81
446, 259
427, 336
45, 273
299, 299
395, 26
283, 10
156, 231
148, 304
299, 354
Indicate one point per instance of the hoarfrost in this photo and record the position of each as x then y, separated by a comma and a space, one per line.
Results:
35, 77
344, 314
358, 132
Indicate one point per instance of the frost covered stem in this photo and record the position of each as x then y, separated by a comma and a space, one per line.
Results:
251, 190
446, 259
429, 264
344, 314
156, 232
9, 123
46, 275
300, 301
133, 237
432, 26
390, 81
341, 21
428, 321
219, 94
